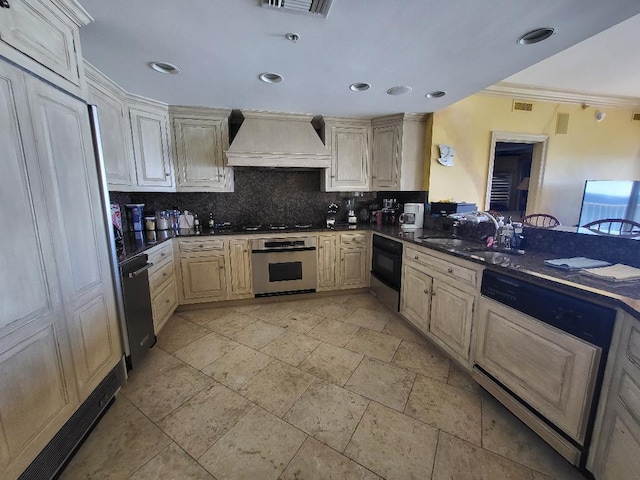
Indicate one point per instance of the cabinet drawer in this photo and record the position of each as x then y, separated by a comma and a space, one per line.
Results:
201, 245
353, 239
160, 276
163, 303
158, 255
452, 270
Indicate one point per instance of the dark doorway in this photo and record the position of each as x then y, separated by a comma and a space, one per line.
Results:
510, 179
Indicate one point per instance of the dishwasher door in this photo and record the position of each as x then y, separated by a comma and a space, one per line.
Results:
139, 336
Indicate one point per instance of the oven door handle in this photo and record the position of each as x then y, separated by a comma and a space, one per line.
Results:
273, 250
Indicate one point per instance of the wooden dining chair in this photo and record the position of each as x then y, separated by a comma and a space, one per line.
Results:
615, 226
540, 220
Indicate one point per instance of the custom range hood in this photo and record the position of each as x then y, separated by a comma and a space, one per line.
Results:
267, 139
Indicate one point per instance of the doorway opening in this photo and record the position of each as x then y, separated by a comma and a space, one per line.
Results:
516, 167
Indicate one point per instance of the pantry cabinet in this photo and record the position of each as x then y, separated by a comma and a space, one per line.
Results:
200, 136
350, 159
150, 136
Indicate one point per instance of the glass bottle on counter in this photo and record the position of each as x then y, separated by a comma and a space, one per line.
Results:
212, 222
196, 223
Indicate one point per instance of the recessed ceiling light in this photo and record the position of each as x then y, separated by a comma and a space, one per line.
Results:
535, 36
359, 87
436, 94
292, 37
399, 90
164, 67
270, 77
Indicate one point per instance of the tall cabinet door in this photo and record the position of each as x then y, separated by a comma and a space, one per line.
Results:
151, 147
349, 159
386, 158
63, 139
326, 262
415, 302
241, 279
37, 392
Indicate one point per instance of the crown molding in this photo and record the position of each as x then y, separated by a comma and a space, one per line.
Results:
530, 92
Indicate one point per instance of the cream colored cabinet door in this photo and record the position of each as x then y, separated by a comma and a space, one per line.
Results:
452, 317
327, 262
151, 146
37, 391
349, 159
385, 158
241, 278
199, 144
203, 277
163, 304
353, 267
41, 31
65, 149
415, 299
541, 364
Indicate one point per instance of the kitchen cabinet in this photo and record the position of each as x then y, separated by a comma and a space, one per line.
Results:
447, 316
398, 152
202, 270
354, 262
162, 284
46, 31
240, 273
615, 453
150, 137
59, 334
350, 159
200, 136
117, 147
327, 261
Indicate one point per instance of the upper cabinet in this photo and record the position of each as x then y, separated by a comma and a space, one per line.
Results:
47, 31
200, 136
117, 147
398, 152
150, 136
350, 164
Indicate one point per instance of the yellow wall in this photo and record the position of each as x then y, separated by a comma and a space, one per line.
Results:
607, 150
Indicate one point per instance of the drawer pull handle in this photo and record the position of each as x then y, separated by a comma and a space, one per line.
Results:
200, 246
416, 257
450, 270
163, 254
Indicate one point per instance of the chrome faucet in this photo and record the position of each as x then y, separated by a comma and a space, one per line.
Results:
495, 223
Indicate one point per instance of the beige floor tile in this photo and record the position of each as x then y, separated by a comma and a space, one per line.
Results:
311, 304
237, 367
277, 387
291, 347
299, 321
328, 413
172, 463
272, 311
393, 445
259, 446
460, 378
332, 363
156, 362
335, 311
205, 350
384, 383
122, 442
229, 323
198, 423
368, 301
334, 332
400, 328
374, 344
448, 408
162, 394
258, 334
205, 316
457, 459
247, 308
424, 359
373, 320
316, 461
178, 333
504, 434
540, 476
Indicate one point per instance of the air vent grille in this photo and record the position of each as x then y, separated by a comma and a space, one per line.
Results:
308, 7
636, 115
522, 106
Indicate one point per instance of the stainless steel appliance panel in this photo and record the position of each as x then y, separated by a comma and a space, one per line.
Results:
284, 271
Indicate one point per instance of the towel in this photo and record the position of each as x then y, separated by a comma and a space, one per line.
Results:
575, 263
615, 273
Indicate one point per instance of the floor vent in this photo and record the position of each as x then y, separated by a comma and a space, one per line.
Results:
522, 106
317, 8
636, 115
61, 447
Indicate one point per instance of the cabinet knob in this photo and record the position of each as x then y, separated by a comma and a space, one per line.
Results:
201, 246
221, 267
168, 300
166, 175
163, 254
416, 257
164, 274
426, 291
5, 4
449, 270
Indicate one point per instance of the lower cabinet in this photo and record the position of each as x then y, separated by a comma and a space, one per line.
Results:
203, 278
354, 264
415, 302
240, 272
452, 316
162, 284
327, 262
616, 450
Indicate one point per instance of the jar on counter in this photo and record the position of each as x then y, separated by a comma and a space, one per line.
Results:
150, 224
162, 220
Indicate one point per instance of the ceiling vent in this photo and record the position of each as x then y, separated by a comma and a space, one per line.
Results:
522, 106
317, 8
636, 115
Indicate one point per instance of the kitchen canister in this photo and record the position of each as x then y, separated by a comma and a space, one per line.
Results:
150, 224
135, 216
162, 220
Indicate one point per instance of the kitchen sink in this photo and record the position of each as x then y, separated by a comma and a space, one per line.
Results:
450, 242
495, 258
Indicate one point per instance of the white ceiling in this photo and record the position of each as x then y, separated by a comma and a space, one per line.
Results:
460, 46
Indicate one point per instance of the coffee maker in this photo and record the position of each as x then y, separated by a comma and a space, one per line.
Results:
413, 216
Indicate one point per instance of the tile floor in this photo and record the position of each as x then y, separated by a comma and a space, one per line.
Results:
323, 388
